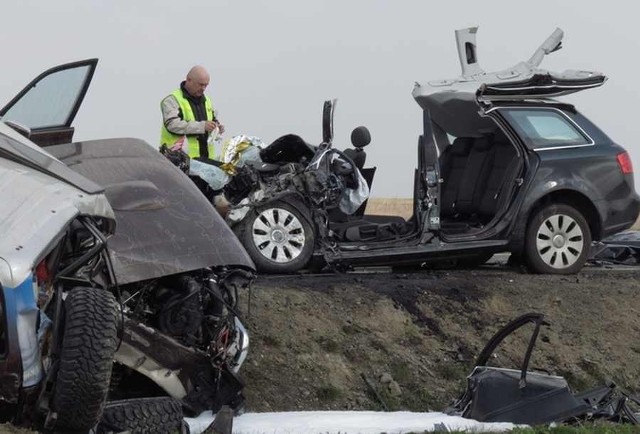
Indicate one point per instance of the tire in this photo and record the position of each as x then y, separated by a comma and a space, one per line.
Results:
278, 237
144, 415
88, 346
557, 240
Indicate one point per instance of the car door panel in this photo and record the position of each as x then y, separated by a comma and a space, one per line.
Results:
46, 107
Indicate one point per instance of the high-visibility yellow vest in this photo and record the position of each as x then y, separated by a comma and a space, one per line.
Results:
168, 138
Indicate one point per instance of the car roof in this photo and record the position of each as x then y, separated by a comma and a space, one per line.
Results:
455, 105
525, 80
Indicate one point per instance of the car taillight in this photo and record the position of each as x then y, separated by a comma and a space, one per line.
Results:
624, 161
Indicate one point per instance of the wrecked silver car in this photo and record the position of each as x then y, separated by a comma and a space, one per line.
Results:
119, 280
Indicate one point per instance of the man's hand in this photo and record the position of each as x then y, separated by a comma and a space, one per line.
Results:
210, 126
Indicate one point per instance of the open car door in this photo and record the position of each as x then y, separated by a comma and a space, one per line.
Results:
327, 122
44, 110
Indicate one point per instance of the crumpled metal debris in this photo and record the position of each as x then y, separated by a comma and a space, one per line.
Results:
528, 397
622, 248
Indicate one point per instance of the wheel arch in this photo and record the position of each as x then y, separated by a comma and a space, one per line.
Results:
566, 196
299, 204
576, 200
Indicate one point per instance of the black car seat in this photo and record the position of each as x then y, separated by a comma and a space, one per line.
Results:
360, 137
472, 182
494, 184
453, 163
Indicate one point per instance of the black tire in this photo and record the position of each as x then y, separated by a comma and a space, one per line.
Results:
88, 346
143, 415
278, 237
557, 241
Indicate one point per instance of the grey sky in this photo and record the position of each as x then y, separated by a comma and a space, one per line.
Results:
273, 63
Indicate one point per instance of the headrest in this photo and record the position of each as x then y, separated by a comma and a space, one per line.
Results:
360, 137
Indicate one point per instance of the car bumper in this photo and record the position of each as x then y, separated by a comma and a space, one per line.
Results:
619, 215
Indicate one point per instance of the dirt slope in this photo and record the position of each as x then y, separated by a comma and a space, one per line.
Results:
414, 336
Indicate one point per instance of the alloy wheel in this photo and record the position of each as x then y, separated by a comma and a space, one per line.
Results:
278, 235
559, 241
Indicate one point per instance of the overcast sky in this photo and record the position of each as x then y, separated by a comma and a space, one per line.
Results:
273, 63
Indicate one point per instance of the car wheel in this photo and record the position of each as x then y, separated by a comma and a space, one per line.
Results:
557, 241
86, 358
143, 415
278, 237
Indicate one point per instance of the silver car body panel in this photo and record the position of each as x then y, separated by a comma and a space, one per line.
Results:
141, 362
453, 103
36, 209
240, 346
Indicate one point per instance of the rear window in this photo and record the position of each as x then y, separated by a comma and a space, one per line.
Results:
544, 128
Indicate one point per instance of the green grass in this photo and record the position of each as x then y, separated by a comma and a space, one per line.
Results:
401, 372
452, 370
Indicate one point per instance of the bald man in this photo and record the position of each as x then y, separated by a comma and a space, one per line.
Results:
187, 111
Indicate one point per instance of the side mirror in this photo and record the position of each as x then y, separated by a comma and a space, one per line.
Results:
360, 137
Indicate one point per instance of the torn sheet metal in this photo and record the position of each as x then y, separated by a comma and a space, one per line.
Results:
521, 81
622, 248
528, 397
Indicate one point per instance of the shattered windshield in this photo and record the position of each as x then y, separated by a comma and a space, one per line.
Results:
15, 150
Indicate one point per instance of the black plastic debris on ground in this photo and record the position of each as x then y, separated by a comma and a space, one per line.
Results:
521, 396
622, 248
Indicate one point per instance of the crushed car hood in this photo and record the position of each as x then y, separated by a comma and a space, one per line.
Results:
524, 80
165, 225
37, 205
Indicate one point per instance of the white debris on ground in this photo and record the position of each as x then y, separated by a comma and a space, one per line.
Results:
347, 422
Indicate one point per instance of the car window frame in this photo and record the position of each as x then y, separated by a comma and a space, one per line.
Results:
589, 140
90, 64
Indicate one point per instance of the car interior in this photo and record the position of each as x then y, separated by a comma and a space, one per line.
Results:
475, 173
478, 169
359, 227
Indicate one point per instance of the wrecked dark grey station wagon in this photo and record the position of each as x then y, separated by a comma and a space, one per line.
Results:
502, 166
